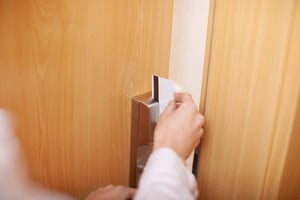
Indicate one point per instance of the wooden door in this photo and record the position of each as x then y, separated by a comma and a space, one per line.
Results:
250, 98
68, 70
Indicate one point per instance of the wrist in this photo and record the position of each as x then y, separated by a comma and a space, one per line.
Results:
157, 147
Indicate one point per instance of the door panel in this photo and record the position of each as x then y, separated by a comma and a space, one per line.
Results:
68, 70
250, 97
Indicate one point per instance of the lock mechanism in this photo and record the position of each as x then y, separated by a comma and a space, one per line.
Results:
144, 116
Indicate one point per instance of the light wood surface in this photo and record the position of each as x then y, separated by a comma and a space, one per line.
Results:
250, 148
68, 70
290, 182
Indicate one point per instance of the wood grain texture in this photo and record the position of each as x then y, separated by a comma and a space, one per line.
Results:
290, 181
68, 70
251, 101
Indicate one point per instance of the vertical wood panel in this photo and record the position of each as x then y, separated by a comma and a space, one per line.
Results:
290, 181
68, 70
251, 97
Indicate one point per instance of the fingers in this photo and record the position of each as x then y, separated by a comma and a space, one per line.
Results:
185, 102
199, 120
170, 108
180, 118
201, 132
128, 193
108, 187
198, 125
178, 99
182, 97
123, 192
198, 137
113, 193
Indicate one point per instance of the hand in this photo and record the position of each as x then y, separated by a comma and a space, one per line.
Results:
179, 127
112, 193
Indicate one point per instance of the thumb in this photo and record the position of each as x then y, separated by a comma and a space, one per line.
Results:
170, 108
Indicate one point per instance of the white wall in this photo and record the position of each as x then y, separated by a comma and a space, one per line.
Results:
190, 19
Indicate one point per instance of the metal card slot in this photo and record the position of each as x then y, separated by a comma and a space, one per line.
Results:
144, 115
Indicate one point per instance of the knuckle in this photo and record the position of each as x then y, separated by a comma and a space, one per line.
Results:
188, 95
200, 119
189, 98
190, 106
109, 186
201, 132
197, 140
119, 187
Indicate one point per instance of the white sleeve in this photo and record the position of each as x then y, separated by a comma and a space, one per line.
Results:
165, 177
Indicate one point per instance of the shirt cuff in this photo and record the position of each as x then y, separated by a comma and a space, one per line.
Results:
167, 163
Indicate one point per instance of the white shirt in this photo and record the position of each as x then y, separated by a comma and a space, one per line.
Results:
14, 180
165, 177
